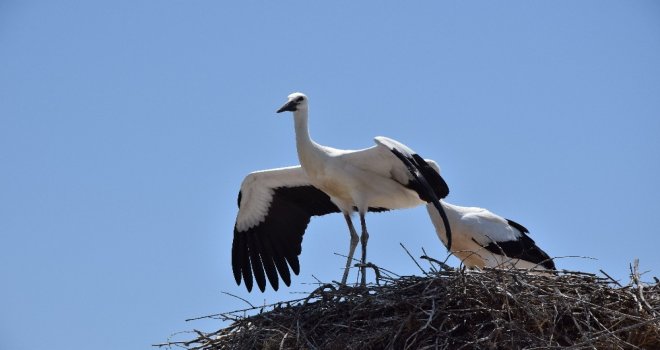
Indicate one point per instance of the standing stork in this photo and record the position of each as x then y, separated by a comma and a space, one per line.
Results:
276, 205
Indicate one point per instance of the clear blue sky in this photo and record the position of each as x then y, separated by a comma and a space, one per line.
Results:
126, 128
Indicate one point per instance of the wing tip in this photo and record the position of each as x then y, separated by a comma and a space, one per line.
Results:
549, 263
393, 144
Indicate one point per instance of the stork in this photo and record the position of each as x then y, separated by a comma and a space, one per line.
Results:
484, 239
275, 206
481, 238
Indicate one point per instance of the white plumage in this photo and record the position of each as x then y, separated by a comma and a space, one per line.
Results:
275, 205
258, 189
484, 239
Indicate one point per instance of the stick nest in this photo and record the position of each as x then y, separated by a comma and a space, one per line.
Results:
453, 309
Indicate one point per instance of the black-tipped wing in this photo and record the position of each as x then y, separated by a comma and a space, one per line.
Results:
523, 248
425, 180
275, 207
420, 166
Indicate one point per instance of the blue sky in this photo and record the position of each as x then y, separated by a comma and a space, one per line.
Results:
126, 128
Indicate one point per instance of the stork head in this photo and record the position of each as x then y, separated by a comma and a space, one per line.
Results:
297, 101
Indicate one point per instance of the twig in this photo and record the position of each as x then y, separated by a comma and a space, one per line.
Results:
237, 297
411, 257
374, 267
433, 268
611, 279
640, 289
442, 264
620, 330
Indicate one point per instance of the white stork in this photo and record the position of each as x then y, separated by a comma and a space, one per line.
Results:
484, 239
276, 205
481, 238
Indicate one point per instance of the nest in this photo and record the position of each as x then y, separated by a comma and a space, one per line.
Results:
453, 309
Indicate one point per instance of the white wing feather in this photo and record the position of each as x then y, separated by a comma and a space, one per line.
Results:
473, 223
488, 227
380, 160
257, 193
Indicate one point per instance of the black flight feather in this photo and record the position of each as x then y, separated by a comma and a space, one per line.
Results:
264, 250
523, 248
428, 184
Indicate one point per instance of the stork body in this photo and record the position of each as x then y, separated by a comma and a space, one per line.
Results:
484, 239
275, 205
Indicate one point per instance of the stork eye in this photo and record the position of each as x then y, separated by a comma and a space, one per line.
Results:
299, 99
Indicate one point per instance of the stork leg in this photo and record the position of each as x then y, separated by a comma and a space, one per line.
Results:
351, 250
364, 238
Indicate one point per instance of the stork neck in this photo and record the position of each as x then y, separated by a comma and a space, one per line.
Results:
452, 211
453, 215
302, 129
303, 140
308, 150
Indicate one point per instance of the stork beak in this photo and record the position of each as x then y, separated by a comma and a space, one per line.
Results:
290, 106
